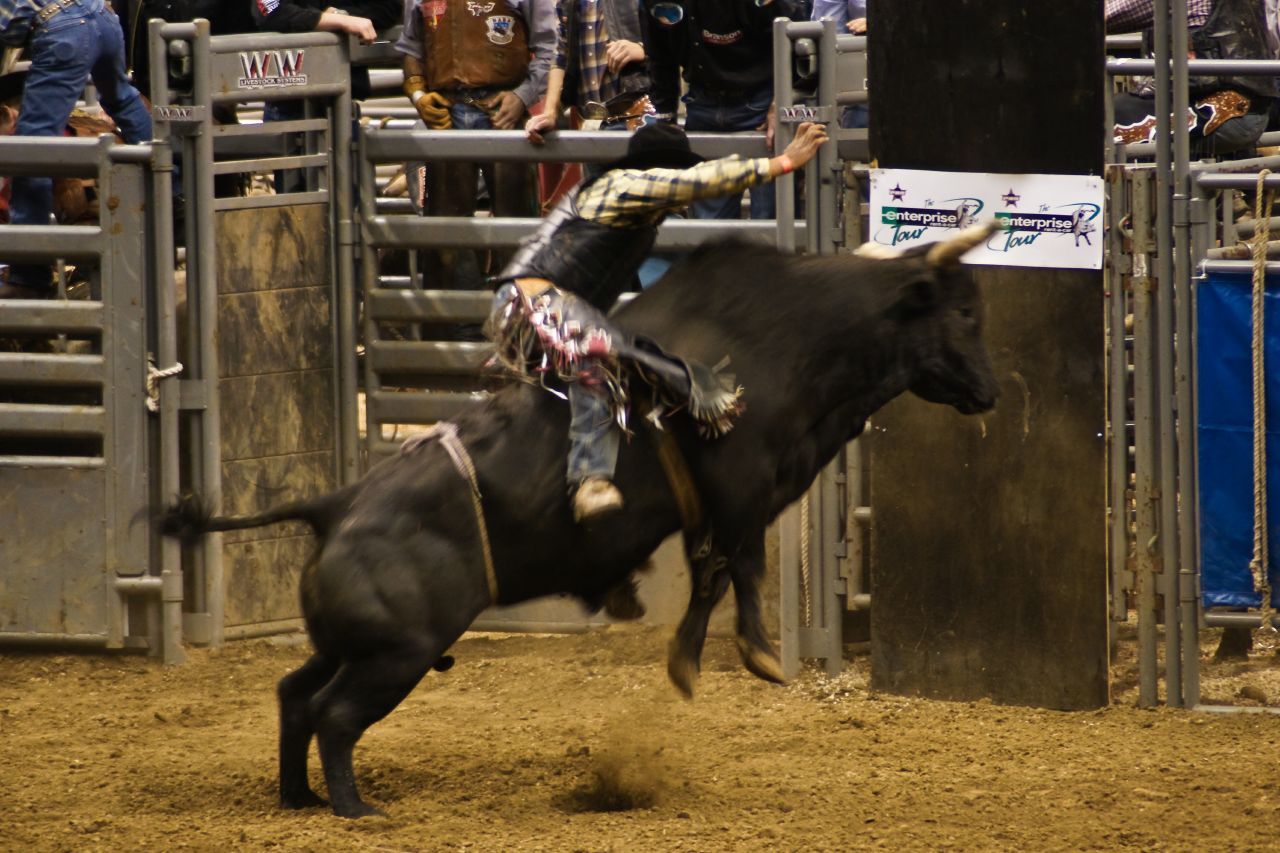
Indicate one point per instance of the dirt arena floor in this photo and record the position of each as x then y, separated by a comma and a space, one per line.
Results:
577, 743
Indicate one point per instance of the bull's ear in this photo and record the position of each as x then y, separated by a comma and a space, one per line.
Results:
918, 296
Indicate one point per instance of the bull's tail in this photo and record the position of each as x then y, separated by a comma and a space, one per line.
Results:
189, 517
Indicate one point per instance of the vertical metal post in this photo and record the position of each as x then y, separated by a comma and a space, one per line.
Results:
200, 217
1178, 688
368, 281
1144, 399
825, 170
826, 590
165, 316
1201, 226
827, 236
789, 522
858, 518
1167, 524
344, 314
1118, 392
783, 97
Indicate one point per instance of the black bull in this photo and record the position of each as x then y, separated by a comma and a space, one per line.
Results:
819, 344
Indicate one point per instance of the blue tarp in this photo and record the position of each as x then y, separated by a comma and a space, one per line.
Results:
1225, 434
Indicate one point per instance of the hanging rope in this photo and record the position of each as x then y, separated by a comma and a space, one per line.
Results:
805, 562
154, 375
1258, 566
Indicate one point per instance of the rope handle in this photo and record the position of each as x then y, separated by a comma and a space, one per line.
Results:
154, 375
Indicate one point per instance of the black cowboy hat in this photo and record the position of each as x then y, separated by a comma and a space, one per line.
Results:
658, 146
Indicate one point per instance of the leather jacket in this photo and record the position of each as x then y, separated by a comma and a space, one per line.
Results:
1235, 29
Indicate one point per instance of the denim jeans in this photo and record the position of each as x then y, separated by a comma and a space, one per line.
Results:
83, 40
854, 116
452, 191
727, 114
593, 436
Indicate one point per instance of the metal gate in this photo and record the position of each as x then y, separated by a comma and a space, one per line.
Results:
269, 332
80, 460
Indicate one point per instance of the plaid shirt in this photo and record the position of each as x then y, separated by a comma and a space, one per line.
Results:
633, 198
16, 18
595, 83
1128, 16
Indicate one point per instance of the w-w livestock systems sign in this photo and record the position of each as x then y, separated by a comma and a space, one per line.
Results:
1046, 220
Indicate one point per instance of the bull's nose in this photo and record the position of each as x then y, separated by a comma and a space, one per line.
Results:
984, 402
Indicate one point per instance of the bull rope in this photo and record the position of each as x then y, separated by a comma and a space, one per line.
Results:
1258, 566
447, 434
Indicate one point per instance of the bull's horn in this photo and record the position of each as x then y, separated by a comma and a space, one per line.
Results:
878, 251
949, 251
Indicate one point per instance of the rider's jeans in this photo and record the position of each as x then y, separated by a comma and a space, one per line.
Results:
84, 40
593, 436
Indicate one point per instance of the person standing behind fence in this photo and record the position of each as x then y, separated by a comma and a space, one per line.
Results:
361, 18
69, 41
1227, 114
599, 65
850, 17
724, 49
224, 18
467, 65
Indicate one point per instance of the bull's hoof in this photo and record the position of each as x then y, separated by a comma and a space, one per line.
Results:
444, 664
761, 662
306, 799
682, 670
358, 809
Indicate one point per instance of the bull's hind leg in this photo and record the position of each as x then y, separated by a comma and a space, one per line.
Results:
295, 691
363, 691
757, 652
684, 656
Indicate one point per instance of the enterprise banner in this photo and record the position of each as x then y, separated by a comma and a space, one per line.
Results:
1046, 220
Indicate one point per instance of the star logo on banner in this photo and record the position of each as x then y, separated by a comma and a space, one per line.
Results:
1011, 198
897, 193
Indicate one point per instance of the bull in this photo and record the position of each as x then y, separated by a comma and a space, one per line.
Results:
406, 562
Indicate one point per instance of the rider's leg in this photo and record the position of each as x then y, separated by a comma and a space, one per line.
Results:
593, 453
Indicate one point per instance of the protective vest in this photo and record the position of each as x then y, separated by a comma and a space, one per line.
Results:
472, 44
1235, 29
588, 259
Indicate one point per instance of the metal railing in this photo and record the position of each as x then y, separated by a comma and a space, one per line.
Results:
1163, 231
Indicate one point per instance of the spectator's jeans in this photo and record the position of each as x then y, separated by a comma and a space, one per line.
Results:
709, 113
593, 436
451, 191
854, 116
83, 40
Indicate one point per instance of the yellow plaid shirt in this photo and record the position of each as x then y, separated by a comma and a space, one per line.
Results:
632, 198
